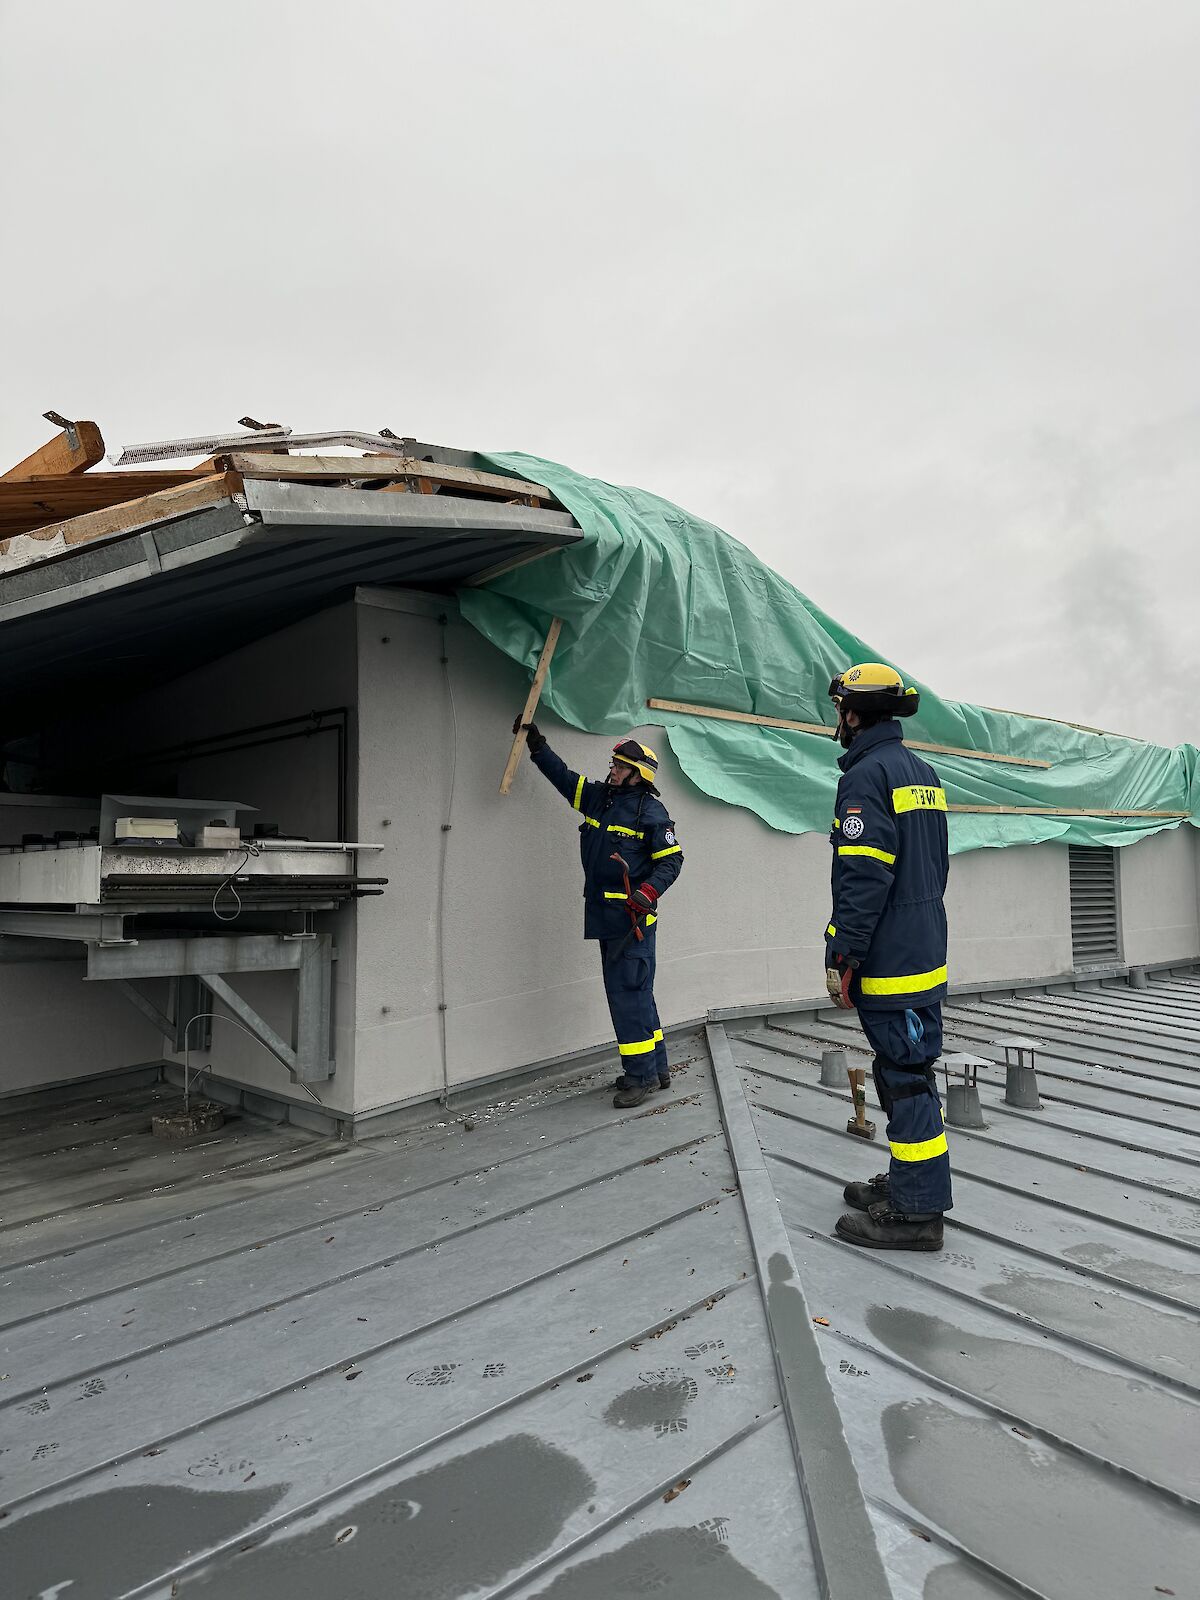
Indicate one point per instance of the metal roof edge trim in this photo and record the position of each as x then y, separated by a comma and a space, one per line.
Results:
849, 1566
282, 504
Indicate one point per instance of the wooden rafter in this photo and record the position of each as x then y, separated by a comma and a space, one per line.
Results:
60, 456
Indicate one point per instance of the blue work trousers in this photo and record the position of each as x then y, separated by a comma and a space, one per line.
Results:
906, 1045
629, 986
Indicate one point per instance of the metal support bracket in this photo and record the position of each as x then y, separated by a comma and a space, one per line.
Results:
307, 1057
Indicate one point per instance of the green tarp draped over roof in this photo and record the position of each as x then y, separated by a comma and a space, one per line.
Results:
658, 603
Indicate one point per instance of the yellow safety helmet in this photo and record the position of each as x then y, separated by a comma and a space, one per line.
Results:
638, 756
874, 688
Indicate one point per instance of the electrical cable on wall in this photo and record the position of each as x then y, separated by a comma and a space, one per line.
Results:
445, 839
228, 883
219, 1016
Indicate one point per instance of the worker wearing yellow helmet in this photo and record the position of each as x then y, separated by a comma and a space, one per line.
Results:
885, 950
631, 857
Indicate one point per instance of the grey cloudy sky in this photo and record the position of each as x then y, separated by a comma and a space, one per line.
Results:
903, 295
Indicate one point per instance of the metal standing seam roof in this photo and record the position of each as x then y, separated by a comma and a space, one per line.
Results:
573, 1352
1021, 1407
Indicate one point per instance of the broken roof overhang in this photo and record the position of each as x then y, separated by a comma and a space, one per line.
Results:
179, 592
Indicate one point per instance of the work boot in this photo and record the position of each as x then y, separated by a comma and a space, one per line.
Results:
862, 1196
664, 1081
881, 1228
634, 1094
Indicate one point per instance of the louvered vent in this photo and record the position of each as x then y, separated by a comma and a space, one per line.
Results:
1095, 923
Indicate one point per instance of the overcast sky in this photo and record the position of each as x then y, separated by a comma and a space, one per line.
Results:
902, 295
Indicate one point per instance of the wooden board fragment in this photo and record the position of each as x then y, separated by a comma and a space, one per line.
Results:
59, 456
831, 733
28, 505
531, 702
176, 502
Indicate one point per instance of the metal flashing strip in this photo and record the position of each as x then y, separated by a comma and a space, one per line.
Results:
847, 1558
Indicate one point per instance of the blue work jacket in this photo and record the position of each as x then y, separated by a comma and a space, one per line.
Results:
890, 862
631, 823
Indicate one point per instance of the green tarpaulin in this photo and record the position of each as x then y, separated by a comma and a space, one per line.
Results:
658, 603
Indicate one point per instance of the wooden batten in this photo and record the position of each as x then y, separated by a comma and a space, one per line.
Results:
830, 733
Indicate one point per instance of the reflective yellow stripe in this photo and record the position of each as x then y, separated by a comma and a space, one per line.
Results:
591, 822
614, 894
885, 856
578, 792
837, 822
630, 833
831, 932
918, 797
924, 1150
651, 919
658, 1035
673, 851
911, 983
642, 1048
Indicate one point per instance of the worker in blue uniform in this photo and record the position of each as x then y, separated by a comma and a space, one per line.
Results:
885, 950
631, 857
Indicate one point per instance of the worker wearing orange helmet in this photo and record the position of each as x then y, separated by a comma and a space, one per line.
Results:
885, 950
631, 857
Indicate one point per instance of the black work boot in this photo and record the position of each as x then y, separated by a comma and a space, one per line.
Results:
664, 1081
881, 1228
862, 1196
634, 1094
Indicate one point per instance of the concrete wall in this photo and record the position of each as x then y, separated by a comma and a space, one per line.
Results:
1158, 897
71, 1028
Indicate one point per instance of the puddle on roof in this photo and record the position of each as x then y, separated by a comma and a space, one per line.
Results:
103, 1544
1055, 1522
1148, 1430
672, 1564
441, 1534
1136, 1270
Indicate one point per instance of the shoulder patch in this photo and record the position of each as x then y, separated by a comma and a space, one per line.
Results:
669, 836
853, 827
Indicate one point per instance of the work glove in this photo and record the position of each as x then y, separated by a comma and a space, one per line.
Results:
534, 738
643, 899
837, 982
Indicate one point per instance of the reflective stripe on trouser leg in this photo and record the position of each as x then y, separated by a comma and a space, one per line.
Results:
629, 986
919, 1174
906, 1042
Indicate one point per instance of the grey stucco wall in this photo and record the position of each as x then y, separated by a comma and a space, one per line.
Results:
1009, 914
744, 924
1158, 897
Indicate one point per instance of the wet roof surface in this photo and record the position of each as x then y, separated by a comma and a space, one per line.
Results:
440, 1364
535, 1358
1022, 1407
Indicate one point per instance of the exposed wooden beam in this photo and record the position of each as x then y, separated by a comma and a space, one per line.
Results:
531, 701
27, 505
60, 456
830, 733
124, 518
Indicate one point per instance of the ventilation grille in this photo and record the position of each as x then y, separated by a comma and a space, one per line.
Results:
1095, 923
